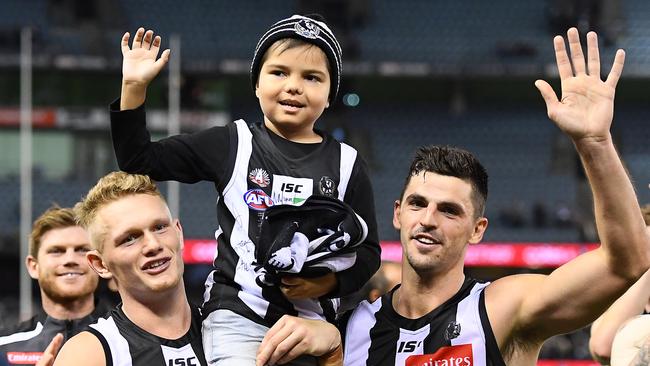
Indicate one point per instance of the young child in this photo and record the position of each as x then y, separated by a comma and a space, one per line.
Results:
295, 72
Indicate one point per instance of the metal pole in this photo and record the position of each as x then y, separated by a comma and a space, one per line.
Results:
174, 123
25, 168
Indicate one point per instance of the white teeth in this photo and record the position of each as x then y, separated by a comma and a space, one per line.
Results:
425, 240
156, 264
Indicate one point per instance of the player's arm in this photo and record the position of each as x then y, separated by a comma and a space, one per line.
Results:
531, 308
291, 337
604, 329
82, 349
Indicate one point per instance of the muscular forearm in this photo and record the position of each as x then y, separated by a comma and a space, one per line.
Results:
620, 225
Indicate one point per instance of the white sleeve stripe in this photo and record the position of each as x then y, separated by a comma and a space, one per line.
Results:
348, 157
22, 336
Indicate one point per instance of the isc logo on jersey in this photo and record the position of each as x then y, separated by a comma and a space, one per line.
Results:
257, 199
460, 355
183, 356
291, 190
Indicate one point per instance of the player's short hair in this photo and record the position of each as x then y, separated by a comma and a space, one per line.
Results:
54, 217
454, 162
108, 189
645, 210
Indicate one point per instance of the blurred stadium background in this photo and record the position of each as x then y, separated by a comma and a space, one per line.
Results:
415, 72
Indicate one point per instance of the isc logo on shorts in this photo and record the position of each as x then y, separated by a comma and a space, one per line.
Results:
460, 355
24, 358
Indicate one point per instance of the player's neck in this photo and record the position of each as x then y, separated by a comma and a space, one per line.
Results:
419, 295
68, 310
167, 315
302, 135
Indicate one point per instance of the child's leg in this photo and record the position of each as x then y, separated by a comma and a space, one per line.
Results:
231, 339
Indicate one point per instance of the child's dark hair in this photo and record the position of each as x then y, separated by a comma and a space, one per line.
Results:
453, 162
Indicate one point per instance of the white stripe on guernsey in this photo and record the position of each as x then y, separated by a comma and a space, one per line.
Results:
471, 330
118, 345
209, 282
217, 234
233, 196
308, 309
356, 347
22, 336
348, 157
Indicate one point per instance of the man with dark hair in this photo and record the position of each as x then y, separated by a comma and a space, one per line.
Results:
57, 260
439, 316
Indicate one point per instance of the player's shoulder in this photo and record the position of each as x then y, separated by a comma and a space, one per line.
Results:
83, 346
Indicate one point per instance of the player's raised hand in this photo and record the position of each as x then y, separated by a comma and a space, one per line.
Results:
140, 62
586, 109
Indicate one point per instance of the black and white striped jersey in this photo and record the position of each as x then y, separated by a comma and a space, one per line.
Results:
457, 333
253, 168
126, 344
263, 176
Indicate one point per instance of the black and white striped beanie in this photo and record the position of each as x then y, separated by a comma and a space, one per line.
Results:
308, 29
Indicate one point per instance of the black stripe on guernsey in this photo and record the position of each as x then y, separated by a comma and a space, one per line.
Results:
492, 348
107, 349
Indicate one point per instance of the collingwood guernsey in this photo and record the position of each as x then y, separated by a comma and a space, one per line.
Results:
126, 344
457, 333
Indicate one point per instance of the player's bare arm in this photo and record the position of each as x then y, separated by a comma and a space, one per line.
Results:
140, 65
526, 310
291, 337
84, 346
604, 329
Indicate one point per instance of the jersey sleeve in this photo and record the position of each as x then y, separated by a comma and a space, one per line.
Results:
360, 197
186, 158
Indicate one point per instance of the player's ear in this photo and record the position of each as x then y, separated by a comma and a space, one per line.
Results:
96, 262
396, 218
32, 266
479, 229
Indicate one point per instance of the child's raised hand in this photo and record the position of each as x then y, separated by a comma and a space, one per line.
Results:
139, 64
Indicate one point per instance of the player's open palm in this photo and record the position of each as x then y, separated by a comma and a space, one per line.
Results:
587, 105
139, 65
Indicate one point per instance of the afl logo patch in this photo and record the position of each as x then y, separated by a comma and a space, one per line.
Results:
257, 200
307, 29
326, 186
260, 177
